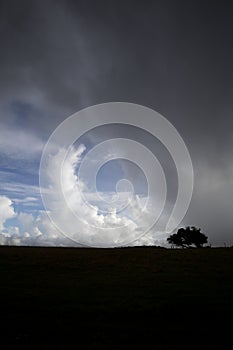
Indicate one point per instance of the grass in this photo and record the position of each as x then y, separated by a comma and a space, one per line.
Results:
116, 298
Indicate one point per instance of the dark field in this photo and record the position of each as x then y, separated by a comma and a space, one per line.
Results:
116, 298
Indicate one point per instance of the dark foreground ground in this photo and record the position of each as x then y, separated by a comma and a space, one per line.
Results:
116, 298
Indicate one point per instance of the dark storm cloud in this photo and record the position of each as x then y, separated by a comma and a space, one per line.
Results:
173, 56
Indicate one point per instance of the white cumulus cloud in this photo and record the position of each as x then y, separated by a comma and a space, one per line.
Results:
78, 216
6, 210
79, 219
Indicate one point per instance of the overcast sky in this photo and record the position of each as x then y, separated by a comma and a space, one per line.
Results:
58, 57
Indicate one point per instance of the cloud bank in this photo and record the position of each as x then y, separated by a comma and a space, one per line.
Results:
58, 57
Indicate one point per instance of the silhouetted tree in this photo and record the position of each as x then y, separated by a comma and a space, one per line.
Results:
188, 236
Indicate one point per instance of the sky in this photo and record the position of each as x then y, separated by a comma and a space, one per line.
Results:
58, 57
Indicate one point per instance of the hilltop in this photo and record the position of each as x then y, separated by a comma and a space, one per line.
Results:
113, 298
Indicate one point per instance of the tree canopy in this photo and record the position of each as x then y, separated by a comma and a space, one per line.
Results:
187, 237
